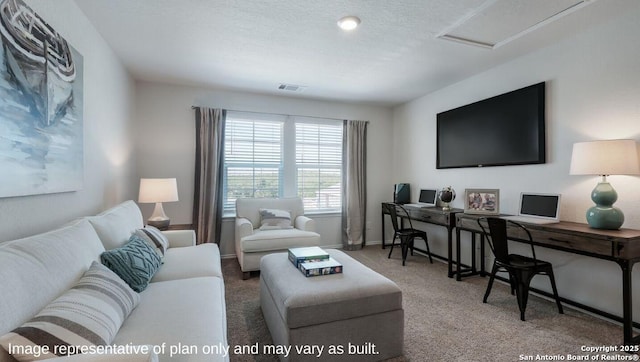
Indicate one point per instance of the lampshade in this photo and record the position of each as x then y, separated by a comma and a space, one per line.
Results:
158, 190
610, 157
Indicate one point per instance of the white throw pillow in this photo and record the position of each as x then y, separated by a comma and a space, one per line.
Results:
88, 314
274, 219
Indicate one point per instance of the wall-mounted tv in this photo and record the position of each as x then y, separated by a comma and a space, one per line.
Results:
508, 129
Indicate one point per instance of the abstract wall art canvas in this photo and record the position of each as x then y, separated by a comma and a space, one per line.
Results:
41, 126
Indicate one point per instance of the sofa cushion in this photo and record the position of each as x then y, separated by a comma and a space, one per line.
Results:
202, 260
187, 311
90, 313
265, 240
140, 355
36, 270
136, 262
274, 219
115, 226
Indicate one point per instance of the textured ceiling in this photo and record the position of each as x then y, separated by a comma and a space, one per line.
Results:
394, 56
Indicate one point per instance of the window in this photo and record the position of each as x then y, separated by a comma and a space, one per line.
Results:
319, 165
283, 156
252, 159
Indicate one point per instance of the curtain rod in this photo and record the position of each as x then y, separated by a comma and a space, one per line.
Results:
278, 114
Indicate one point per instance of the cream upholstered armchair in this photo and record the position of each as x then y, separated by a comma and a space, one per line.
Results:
267, 225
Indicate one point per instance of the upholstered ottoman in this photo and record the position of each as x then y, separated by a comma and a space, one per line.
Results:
356, 315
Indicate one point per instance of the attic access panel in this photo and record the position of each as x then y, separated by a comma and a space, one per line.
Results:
497, 22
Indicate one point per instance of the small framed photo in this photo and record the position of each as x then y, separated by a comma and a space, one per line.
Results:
482, 201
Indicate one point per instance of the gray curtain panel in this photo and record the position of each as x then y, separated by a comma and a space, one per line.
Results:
207, 203
354, 190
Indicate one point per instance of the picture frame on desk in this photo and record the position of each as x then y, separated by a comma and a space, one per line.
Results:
482, 201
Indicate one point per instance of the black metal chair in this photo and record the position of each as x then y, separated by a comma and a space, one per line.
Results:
406, 235
521, 268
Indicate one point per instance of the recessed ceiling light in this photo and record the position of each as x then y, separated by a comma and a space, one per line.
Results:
349, 23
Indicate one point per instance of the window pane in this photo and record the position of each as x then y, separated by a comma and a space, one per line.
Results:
319, 164
320, 189
250, 182
253, 159
318, 144
253, 142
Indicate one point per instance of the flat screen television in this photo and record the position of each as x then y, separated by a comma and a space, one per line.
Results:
508, 129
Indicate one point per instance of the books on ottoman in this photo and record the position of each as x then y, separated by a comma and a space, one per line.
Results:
324, 267
312, 253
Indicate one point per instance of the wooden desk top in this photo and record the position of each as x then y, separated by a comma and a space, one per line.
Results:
572, 237
586, 229
432, 215
432, 209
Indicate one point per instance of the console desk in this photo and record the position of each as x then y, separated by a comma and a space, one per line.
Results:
435, 216
620, 246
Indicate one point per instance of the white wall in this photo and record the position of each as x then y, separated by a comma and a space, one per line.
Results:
166, 146
109, 167
593, 92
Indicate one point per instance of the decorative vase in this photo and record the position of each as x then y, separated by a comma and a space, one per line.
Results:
603, 215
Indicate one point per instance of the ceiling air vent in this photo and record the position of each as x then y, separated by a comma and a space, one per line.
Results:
292, 87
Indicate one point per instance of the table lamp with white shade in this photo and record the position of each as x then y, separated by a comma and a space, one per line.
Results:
158, 190
605, 158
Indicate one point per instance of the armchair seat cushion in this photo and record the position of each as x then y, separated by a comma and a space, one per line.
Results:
270, 240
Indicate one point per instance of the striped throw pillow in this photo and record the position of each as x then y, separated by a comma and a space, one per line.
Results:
158, 238
90, 313
157, 246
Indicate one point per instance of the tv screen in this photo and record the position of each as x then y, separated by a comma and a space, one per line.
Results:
508, 129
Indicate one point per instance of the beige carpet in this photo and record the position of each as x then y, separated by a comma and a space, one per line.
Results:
445, 320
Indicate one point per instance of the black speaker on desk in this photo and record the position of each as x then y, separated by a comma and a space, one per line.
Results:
401, 193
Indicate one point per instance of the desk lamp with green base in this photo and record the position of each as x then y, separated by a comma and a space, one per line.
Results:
604, 158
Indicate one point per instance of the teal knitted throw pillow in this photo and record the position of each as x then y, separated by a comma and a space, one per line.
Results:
135, 262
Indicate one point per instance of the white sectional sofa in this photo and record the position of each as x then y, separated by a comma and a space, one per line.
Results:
184, 305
